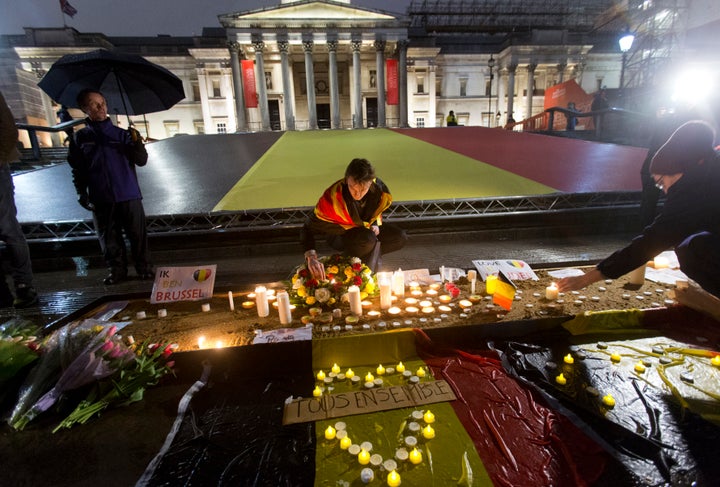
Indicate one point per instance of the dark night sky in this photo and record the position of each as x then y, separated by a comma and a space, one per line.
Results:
140, 17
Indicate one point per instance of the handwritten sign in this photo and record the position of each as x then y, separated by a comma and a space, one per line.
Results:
183, 284
515, 270
367, 401
284, 335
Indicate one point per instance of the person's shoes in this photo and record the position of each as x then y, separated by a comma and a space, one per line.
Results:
114, 278
26, 297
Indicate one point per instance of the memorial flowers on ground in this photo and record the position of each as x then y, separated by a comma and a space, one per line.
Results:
341, 272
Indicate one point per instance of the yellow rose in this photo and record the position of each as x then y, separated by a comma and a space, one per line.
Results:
301, 291
363, 295
332, 269
349, 272
310, 300
295, 278
332, 301
367, 271
369, 287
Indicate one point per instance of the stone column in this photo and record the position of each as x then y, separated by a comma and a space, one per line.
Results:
234, 48
502, 86
402, 82
260, 81
357, 88
511, 90
334, 91
284, 47
310, 85
530, 85
380, 67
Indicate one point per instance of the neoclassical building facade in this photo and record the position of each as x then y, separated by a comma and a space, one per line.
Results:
329, 64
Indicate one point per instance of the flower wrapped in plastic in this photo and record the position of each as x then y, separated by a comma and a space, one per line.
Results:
19, 347
341, 272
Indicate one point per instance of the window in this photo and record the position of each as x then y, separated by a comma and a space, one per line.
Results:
420, 122
195, 91
373, 78
221, 127
216, 88
142, 128
488, 88
463, 86
438, 86
199, 126
420, 83
172, 128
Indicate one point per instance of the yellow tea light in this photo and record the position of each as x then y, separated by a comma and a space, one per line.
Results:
444, 309
415, 456
639, 367
465, 303
615, 357
393, 479
330, 433
373, 314
568, 359
715, 360
369, 377
428, 432
429, 417
434, 286
560, 379
321, 375
608, 400
317, 392
551, 292
345, 443
431, 292
413, 285
335, 369
364, 457
400, 367
349, 374
416, 293
248, 304
366, 304
380, 370
420, 372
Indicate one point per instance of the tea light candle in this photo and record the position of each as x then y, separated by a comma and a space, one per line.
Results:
411, 310
283, 300
568, 359
465, 303
350, 373
615, 357
394, 310
372, 314
369, 377
261, 301
472, 276
445, 298
428, 310
400, 367
317, 392
429, 417
140, 315
416, 292
354, 298
205, 307
639, 367
715, 360
431, 292
420, 372
345, 443
366, 304
231, 301
560, 379
551, 292
335, 369
248, 304
398, 283
425, 303
380, 370
330, 433
444, 309
490, 283
415, 456
428, 432
393, 479
608, 400
364, 457
162, 313
320, 376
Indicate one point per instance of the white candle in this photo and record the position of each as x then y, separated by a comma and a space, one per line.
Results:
205, 307
472, 275
231, 301
661, 262
398, 283
442, 273
283, 300
261, 301
637, 277
354, 298
162, 313
385, 282
551, 292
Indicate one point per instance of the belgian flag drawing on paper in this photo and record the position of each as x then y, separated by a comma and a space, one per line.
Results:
504, 291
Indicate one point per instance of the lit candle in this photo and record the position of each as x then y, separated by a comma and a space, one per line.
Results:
380, 370
715, 360
394, 310
472, 275
442, 273
568, 359
350, 373
201, 341
248, 304
321, 375
400, 367
398, 283
393, 479
411, 310
317, 392
330, 433
615, 357
425, 303
560, 379
261, 301
345, 443
661, 262
465, 303
354, 298
366, 304
445, 298
428, 432
364, 457
420, 372
411, 301
490, 283
335, 369
283, 300
385, 282
428, 310
429, 417
551, 292
231, 301
415, 456
369, 377
608, 400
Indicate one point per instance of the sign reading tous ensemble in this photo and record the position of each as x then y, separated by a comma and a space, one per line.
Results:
183, 284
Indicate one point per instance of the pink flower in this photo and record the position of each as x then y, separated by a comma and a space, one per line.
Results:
111, 331
107, 346
170, 364
168, 351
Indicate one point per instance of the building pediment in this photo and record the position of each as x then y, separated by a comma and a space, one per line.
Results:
307, 13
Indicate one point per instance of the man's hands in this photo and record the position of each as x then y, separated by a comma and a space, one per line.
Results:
85, 202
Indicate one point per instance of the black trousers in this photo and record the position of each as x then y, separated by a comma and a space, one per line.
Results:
363, 243
699, 257
114, 220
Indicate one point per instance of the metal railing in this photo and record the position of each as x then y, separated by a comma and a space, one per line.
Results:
32, 131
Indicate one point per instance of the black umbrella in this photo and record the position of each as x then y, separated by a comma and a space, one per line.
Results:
131, 84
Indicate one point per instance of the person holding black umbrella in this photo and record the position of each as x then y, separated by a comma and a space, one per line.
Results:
103, 158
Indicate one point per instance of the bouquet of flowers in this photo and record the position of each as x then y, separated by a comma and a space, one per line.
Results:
341, 272
19, 347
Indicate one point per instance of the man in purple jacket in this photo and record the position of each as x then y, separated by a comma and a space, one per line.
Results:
103, 159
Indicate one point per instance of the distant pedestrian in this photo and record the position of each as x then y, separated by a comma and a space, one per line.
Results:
451, 119
10, 230
103, 158
571, 119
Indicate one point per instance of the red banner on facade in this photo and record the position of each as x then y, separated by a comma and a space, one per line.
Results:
391, 68
248, 78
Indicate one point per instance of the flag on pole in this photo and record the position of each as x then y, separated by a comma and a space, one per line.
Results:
67, 9
504, 291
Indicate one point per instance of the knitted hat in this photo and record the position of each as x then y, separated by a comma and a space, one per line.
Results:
690, 143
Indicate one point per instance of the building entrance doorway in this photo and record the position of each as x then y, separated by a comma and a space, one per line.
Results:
274, 111
323, 115
372, 112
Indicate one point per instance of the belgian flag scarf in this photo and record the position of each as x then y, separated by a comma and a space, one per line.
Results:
333, 208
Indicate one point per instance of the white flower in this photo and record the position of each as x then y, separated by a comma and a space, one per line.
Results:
355, 260
322, 294
300, 282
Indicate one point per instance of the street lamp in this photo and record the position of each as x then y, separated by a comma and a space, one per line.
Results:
625, 42
491, 65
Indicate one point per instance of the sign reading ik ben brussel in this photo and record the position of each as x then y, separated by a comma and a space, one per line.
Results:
183, 283
367, 401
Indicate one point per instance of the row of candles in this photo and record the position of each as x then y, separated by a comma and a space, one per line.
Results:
364, 454
370, 379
